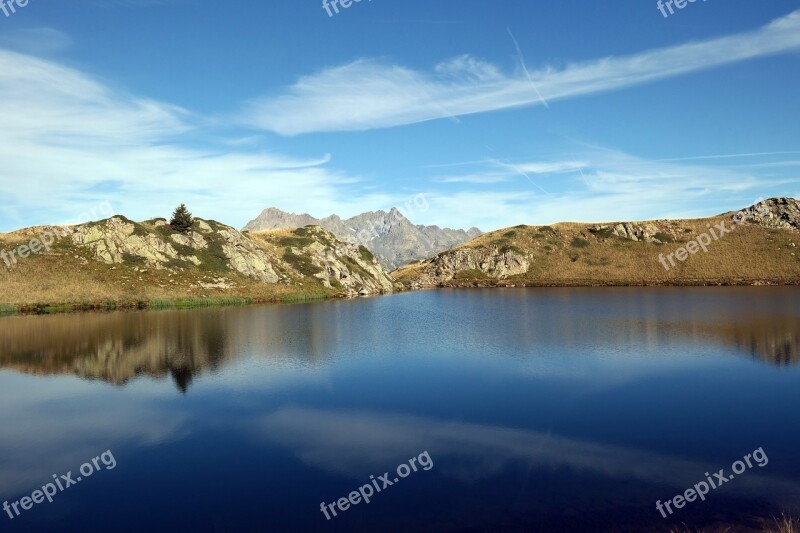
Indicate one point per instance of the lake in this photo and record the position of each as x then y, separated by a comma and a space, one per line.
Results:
522, 409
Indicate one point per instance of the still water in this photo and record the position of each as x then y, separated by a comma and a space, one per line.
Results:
538, 410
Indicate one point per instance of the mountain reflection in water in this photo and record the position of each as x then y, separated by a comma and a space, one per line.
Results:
118, 347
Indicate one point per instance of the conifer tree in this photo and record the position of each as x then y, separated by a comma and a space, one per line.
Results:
181, 219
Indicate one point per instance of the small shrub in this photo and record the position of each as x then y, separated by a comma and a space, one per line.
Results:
663, 237
577, 242
547, 229
605, 233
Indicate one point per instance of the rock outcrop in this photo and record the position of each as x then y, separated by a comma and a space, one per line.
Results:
117, 240
346, 267
656, 232
484, 262
778, 213
310, 254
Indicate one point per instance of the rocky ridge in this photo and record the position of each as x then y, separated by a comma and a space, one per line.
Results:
214, 247
591, 253
393, 239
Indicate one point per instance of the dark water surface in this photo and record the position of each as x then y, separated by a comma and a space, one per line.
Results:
541, 410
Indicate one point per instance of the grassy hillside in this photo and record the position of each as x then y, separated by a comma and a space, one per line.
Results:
148, 265
583, 254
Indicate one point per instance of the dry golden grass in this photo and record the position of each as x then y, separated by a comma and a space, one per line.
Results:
784, 524
70, 276
750, 254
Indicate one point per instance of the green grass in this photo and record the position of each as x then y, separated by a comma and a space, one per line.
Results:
577, 242
133, 260
296, 242
366, 255
301, 264
193, 303
663, 237
212, 258
511, 248
605, 233
547, 229
504, 245
468, 275
304, 297
8, 310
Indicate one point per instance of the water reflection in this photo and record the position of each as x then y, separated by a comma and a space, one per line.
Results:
182, 345
353, 442
562, 410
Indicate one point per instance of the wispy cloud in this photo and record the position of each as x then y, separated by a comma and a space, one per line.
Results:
352, 444
69, 141
37, 41
597, 184
368, 94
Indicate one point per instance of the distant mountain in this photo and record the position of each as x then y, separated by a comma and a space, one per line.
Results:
393, 239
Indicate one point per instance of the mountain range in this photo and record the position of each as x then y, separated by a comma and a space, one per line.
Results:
393, 239
117, 262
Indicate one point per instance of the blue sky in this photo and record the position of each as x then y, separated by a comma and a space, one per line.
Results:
499, 113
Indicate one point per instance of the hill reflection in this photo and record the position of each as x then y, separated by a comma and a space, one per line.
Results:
182, 345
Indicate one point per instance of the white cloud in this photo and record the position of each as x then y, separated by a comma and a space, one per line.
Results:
368, 94
357, 444
598, 185
69, 141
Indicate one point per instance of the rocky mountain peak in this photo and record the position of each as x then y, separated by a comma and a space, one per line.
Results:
391, 236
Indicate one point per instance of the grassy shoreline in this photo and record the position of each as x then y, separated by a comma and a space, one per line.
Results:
160, 304
240, 301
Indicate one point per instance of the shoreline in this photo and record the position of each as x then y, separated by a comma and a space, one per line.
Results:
8, 310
